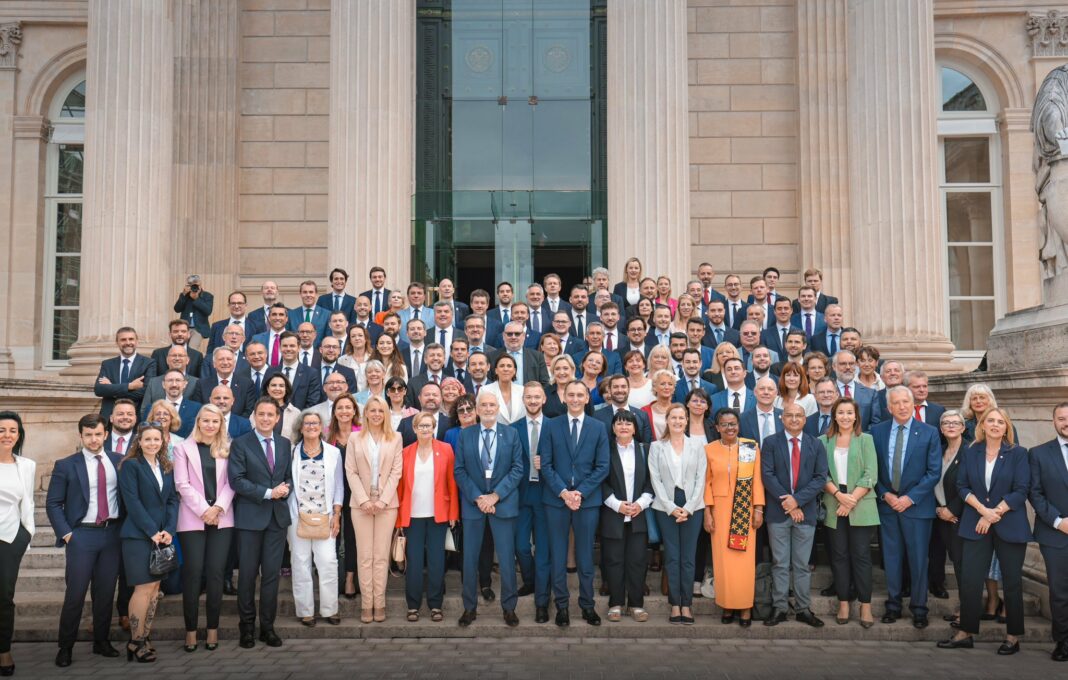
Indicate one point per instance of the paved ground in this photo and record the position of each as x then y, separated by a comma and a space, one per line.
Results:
556, 659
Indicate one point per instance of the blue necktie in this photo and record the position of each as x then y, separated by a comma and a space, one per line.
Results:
326, 372
719, 334
487, 464
834, 344
505, 317
124, 374
574, 432
823, 423
337, 303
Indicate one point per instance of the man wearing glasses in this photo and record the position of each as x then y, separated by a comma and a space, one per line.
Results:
237, 303
530, 364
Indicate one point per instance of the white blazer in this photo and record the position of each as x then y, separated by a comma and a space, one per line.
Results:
27, 470
509, 413
692, 469
334, 479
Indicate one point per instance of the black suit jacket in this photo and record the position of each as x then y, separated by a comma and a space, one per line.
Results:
111, 369
812, 425
307, 388
615, 484
350, 375
67, 502
240, 384
730, 335
954, 502
251, 479
151, 509
534, 367
1049, 492
217, 329
644, 433
407, 432
822, 301
159, 362
370, 295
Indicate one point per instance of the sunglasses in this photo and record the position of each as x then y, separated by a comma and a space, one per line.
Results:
397, 388
150, 423
464, 409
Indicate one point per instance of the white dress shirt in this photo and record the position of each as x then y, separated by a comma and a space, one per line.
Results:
112, 490
627, 455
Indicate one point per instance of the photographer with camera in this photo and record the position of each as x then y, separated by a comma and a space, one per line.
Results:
195, 305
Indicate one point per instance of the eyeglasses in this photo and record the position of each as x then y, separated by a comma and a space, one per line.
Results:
513, 334
397, 388
150, 423
952, 423
464, 409
424, 426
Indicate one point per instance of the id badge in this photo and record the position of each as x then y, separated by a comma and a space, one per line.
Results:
489, 474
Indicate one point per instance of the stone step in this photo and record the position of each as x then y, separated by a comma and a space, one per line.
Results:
43, 536
489, 624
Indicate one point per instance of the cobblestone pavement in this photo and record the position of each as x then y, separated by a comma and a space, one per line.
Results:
555, 659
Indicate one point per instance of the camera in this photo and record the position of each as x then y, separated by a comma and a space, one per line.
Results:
194, 288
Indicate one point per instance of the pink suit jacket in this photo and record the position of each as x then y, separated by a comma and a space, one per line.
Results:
189, 480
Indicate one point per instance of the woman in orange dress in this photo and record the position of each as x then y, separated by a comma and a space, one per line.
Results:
734, 510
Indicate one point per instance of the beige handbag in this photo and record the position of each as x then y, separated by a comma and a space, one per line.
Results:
398, 552
313, 526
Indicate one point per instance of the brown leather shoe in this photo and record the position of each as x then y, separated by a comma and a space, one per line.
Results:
379, 614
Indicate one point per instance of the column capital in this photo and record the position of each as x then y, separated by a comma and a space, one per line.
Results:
10, 41
32, 127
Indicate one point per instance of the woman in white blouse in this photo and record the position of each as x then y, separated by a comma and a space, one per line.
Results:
357, 353
16, 524
677, 470
794, 388
509, 393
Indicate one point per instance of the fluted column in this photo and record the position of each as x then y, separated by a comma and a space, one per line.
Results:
205, 143
371, 122
898, 244
823, 170
648, 138
126, 277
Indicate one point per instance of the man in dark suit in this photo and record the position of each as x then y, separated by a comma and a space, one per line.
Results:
910, 464
489, 470
177, 360
258, 317
447, 293
500, 315
174, 384
237, 304
695, 339
618, 396
735, 305
326, 363
309, 311
475, 330
85, 511
571, 343
794, 469
829, 341
361, 316
760, 363
734, 394
223, 398
774, 336
690, 378
826, 393
764, 420
750, 334
337, 300
795, 352
660, 333
582, 314
307, 388
194, 305
123, 376
1049, 498
521, 313
179, 332
260, 473
531, 362
716, 328
378, 293
805, 315
814, 280
761, 297
540, 319
705, 275
926, 411
554, 302
637, 340
224, 372
574, 463
532, 527
429, 400
277, 320
433, 372
845, 368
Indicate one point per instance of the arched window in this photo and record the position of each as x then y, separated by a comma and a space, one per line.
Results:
63, 220
970, 188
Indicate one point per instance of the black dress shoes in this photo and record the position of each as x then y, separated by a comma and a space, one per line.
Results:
828, 591
591, 617
919, 622
727, 616
7, 670
776, 618
891, 617
1061, 652
228, 588
541, 615
271, 638
1008, 650
525, 590
105, 649
64, 657
510, 618
467, 618
952, 643
248, 640
809, 618
488, 595
563, 618
939, 592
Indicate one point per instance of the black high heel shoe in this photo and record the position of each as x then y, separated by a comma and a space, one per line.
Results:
212, 646
140, 652
7, 670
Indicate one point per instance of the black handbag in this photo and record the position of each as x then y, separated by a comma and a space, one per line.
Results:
163, 560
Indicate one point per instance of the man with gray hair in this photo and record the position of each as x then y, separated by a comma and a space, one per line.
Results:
601, 282
223, 372
892, 373
844, 365
177, 360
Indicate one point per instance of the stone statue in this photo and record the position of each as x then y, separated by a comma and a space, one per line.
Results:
1049, 123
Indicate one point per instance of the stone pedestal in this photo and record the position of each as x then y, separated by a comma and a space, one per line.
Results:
898, 243
371, 121
648, 138
126, 274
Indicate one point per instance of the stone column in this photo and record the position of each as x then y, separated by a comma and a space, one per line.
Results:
648, 138
205, 144
898, 243
372, 80
10, 40
823, 170
127, 241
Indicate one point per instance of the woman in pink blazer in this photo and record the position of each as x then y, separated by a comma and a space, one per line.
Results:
205, 520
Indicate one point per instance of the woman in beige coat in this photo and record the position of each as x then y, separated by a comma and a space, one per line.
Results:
373, 468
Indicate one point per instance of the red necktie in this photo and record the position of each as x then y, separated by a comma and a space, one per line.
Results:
919, 417
608, 345
274, 352
102, 512
119, 445
225, 382
847, 394
708, 296
795, 460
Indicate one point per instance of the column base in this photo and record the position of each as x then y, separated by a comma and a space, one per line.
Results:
86, 355
933, 356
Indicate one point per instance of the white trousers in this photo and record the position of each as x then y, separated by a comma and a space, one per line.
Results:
302, 551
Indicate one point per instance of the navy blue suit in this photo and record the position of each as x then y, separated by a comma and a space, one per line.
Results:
771, 337
307, 388
818, 324
582, 467
261, 524
149, 508
739, 316
217, 329
775, 466
575, 344
724, 398
812, 425
821, 303
532, 528
350, 375
93, 556
821, 342
749, 424
1049, 498
1010, 482
370, 295
868, 401
238, 426
320, 318
907, 533
644, 433
243, 388
257, 322
730, 335
504, 480
112, 370
187, 413
326, 301
682, 389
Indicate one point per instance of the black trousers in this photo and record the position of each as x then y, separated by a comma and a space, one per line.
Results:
850, 549
625, 561
10, 559
944, 540
1057, 575
259, 554
93, 557
704, 551
204, 554
975, 565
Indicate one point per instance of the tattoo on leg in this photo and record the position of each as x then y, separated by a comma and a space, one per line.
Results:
135, 627
151, 614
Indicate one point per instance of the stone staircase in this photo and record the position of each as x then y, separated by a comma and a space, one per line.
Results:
39, 599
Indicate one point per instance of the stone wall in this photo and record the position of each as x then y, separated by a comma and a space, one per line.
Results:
284, 133
743, 135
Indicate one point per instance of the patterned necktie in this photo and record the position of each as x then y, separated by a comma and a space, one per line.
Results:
847, 392
415, 362
608, 342
899, 451
808, 325
535, 320
719, 335
737, 402
505, 317
535, 437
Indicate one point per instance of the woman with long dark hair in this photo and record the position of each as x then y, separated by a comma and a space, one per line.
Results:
16, 524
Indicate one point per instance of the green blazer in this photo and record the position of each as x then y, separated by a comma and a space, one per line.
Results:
863, 471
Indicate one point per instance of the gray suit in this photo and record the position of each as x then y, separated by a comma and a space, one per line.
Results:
154, 391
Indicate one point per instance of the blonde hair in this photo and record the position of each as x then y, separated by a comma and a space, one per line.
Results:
421, 416
176, 421
980, 431
966, 407
566, 358
219, 445
661, 372
658, 350
387, 432
716, 366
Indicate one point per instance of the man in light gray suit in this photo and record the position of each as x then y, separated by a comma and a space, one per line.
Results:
177, 360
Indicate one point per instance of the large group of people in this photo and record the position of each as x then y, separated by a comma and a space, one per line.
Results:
352, 431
